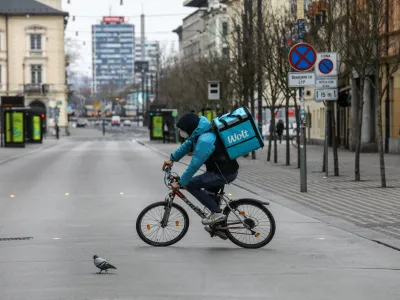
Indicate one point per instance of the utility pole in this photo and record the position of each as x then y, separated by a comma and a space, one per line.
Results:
102, 116
147, 93
143, 74
259, 71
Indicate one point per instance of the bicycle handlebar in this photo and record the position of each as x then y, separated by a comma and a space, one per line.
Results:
169, 177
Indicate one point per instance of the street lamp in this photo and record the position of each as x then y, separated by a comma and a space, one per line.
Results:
143, 75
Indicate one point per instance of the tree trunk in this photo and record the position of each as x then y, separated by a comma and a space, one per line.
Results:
334, 141
287, 132
357, 176
297, 111
379, 137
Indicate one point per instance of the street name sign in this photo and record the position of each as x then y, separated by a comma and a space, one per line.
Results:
326, 82
326, 95
301, 79
327, 64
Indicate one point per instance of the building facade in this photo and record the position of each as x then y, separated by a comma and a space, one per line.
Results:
32, 56
113, 53
151, 55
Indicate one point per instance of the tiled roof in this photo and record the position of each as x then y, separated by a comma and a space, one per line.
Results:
31, 7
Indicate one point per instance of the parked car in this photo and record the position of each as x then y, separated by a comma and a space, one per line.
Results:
82, 123
127, 123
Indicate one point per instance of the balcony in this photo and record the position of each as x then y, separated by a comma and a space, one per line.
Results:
36, 53
36, 88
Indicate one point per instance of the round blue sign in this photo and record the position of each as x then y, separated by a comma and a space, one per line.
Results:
325, 66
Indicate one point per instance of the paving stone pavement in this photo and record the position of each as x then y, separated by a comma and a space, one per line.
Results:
363, 203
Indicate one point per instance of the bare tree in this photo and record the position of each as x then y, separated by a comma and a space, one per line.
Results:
280, 26
369, 47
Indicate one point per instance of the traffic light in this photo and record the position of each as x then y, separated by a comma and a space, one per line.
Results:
117, 99
42, 116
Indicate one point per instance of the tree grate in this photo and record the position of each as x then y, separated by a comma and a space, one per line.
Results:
16, 239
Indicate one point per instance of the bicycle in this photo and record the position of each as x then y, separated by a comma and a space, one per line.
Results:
246, 222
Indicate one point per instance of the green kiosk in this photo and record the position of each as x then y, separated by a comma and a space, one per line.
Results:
20, 124
158, 116
13, 122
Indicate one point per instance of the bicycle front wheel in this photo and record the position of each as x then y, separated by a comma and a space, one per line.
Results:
256, 216
151, 231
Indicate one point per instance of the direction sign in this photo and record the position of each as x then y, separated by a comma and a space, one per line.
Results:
326, 95
301, 79
302, 57
327, 82
327, 64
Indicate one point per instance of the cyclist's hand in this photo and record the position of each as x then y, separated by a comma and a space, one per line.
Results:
175, 185
166, 163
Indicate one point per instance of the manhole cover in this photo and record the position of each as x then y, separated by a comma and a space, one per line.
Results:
16, 239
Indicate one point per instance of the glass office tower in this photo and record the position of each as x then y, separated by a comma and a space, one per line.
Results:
113, 54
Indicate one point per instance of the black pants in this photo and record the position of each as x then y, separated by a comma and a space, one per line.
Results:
166, 136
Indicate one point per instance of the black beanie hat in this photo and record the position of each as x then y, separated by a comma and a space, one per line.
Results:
188, 122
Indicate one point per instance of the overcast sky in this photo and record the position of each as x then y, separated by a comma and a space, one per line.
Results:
162, 16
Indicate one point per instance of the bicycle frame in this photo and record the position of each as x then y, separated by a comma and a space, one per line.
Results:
171, 196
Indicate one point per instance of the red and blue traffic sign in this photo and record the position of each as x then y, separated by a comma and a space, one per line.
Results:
325, 66
302, 57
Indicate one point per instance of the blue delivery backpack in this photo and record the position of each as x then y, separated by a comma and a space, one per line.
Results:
238, 132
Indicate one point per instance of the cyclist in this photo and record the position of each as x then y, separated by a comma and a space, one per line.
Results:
207, 149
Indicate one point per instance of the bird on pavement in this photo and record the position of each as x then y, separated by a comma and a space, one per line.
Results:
102, 264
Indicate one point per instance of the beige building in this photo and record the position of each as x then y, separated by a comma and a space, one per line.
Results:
32, 56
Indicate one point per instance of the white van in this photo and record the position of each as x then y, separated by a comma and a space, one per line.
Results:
115, 121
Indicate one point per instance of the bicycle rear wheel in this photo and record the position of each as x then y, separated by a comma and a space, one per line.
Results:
149, 229
254, 214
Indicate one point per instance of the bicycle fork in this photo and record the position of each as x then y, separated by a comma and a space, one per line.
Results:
167, 209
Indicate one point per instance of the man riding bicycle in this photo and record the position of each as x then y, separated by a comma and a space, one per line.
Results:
207, 149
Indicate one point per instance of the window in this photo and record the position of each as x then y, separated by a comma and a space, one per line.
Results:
36, 42
1, 79
225, 52
36, 74
225, 29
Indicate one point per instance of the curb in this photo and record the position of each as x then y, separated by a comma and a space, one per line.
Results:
336, 222
12, 158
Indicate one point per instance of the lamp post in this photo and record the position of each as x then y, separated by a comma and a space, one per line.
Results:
143, 75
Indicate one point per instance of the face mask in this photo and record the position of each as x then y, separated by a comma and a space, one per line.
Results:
184, 134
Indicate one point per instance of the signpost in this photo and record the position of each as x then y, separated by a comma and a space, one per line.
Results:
302, 58
327, 88
326, 82
326, 95
297, 79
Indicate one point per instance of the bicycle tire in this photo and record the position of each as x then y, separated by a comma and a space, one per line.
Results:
165, 244
253, 202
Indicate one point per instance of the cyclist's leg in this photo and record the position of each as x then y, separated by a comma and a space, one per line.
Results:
207, 180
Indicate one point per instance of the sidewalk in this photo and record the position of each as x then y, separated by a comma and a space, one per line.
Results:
331, 199
9, 154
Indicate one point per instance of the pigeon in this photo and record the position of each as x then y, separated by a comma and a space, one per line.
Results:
102, 264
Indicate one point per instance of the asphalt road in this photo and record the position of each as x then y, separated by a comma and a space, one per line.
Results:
82, 198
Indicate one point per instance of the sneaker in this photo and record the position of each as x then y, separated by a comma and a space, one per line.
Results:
217, 233
213, 218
